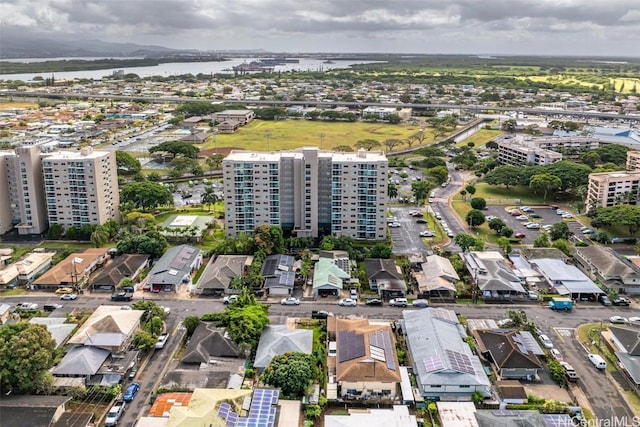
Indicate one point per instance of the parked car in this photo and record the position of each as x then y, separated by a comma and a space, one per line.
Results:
347, 302
618, 320
114, 414
545, 341
555, 354
398, 302
515, 212
132, 373
374, 301
534, 215
421, 221
533, 226
634, 320
394, 225
162, 340
522, 217
62, 291
69, 297
28, 306
490, 217
604, 300
290, 301
532, 295
505, 323
130, 392
320, 314
622, 301
229, 299
519, 235
420, 303
427, 233
121, 296
51, 307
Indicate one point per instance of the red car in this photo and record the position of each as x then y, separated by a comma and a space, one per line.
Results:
519, 235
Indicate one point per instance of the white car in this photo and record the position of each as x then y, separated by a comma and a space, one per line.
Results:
28, 306
347, 302
490, 217
634, 320
556, 354
618, 320
69, 297
427, 233
546, 341
533, 226
394, 224
290, 301
522, 217
229, 299
567, 216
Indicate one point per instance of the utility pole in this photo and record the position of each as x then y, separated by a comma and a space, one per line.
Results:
267, 136
321, 139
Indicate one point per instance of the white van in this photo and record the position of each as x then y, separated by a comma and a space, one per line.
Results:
597, 361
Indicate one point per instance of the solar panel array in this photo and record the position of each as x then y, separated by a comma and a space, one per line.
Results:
505, 413
262, 412
459, 361
433, 363
350, 346
382, 339
180, 261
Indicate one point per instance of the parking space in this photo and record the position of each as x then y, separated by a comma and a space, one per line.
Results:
538, 214
406, 237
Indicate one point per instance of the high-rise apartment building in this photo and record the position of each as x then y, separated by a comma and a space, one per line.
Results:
70, 188
307, 192
81, 187
633, 161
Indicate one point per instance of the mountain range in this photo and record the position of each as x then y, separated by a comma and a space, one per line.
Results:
14, 46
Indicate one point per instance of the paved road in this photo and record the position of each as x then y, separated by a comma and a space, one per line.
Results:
598, 387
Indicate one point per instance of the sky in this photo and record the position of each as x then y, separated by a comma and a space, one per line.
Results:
527, 27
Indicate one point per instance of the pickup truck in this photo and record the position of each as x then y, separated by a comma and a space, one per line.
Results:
561, 304
121, 296
162, 339
114, 414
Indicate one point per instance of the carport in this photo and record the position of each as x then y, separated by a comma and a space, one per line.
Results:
566, 279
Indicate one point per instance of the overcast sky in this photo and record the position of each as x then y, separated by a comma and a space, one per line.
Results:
555, 27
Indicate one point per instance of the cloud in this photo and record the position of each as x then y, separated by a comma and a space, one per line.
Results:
337, 25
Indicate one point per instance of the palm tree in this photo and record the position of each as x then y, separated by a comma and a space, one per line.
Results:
209, 197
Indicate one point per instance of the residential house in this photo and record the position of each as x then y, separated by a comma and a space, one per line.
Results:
209, 342
277, 340
57, 327
444, 366
278, 273
626, 344
43, 411
339, 258
220, 271
605, 265
33, 265
5, 313
492, 276
566, 279
365, 365
436, 278
73, 271
108, 327
514, 353
465, 414
397, 416
174, 269
81, 362
124, 266
328, 278
164, 402
385, 277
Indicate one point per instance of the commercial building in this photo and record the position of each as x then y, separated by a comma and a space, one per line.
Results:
612, 188
70, 188
307, 192
518, 153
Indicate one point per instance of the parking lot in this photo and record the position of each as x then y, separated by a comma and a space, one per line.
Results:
406, 237
547, 216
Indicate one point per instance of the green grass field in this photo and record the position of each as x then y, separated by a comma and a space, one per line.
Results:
480, 138
291, 134
500, 195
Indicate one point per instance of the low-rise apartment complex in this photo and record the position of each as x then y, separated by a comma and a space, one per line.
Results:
511, 152
307, 192
612, 188
528, 150
633, 161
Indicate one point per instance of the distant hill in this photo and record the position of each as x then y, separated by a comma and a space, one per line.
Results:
16, 46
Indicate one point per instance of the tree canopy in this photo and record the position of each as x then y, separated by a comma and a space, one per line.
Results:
145, 195
152, 243
176, 147
625, 215
127, 164
475, 218
27, 352
246, 322
293, 373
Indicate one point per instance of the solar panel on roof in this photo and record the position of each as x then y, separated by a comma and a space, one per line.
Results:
224, 409
232, 419
433, 363
459, 361
504, 413
350, 346
557, 420
444, 314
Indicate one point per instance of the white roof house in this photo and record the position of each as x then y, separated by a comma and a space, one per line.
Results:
566, 279
491, 273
